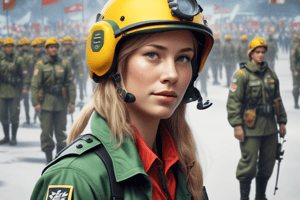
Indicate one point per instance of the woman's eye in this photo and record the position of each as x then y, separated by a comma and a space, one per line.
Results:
183, 59
152, 55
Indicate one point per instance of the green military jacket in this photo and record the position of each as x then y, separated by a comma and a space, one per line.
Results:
34, 60
74, 58
27, 57
241, 52
83, 171
47, 74
228, 53
295, 57
2, 54
271, 54
215, 54
13, 66
255, 86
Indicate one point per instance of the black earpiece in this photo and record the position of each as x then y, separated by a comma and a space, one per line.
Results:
127, 97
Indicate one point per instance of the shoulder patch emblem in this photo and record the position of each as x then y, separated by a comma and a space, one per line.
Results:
293, 51
36, 72
240, 72
271, 80
233, 87
234, 80
40, 62
25, 72
59, 192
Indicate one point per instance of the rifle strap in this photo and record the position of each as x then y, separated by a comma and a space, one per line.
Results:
117, 192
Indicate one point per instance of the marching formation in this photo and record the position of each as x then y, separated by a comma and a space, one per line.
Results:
43, 73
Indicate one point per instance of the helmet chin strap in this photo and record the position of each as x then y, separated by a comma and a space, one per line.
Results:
193, 94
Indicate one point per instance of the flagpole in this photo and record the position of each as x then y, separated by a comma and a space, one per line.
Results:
7, 20
83, 11
42, 31
63, 8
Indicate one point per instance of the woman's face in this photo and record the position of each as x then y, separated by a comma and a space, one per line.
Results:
159, 72
258, 54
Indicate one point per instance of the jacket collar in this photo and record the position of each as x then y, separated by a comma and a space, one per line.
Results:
121, 155
253, 68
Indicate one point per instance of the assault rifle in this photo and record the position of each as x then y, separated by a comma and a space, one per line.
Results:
279, 157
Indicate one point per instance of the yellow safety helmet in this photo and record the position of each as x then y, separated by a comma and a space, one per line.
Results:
216, 36
20, 43
61, 40
43, 39
272, 30
8, 41
19, 36
244, 38
257, 42
227, 37
33, 43
120, 19
295, 36
26, 41
68, 39
50, 41
84, 39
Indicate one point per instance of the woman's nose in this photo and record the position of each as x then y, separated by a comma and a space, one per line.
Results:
169, 72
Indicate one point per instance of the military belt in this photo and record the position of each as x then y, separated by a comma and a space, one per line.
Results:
13, 80
263, 109
54, 89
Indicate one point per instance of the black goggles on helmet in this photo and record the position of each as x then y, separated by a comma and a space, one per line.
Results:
185, 9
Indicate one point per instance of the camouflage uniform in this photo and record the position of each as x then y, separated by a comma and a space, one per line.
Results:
73, 56
53, 76
271, 54
295, 68
228, 59
252, 94
14, 78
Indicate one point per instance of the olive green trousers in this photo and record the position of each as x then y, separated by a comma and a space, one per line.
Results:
258, 157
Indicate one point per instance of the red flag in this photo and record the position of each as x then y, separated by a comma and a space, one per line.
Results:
253, 25
74, 8
277, 1
36, 26
49, 2
219, 9
9, 4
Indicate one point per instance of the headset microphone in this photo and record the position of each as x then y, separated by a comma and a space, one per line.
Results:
127, 97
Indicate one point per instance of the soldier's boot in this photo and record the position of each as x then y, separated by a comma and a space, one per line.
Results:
48, 156
6, 134
296, 99
245, 189
261, 186
14, 129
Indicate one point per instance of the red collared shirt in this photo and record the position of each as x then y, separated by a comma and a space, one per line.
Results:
152, 162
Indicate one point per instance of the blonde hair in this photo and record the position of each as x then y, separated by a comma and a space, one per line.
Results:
108, 103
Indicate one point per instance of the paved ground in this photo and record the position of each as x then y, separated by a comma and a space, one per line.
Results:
21, 166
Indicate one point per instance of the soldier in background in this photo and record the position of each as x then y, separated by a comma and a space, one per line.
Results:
2, 53
37, 56
242, 49
14, 81
214, 59
295, 68
27, 57
271, 55
55, 78
293, 42
252, 114
228, 58
73, 56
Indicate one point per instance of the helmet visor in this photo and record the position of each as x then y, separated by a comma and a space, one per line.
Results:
184, 9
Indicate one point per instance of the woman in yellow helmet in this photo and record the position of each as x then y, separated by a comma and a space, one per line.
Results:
145, 56
253, 102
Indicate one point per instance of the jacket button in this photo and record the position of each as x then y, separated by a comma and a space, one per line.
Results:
89, 140
79, 146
